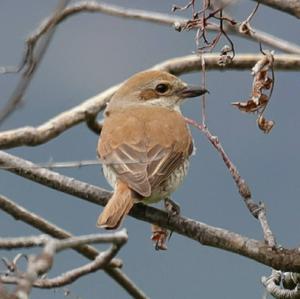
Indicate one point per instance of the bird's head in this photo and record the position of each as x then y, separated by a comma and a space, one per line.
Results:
154, 88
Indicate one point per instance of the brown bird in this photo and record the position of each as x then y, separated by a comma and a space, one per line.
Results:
145, 143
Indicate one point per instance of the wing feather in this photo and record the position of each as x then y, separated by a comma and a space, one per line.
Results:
143, 152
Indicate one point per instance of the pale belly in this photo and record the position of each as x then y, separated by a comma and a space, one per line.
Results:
164, 190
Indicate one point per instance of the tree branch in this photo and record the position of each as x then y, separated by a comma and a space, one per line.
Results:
277, 258
32, 136
69, 276
35, 60
42, 263
20, 213
291, 7
157, 18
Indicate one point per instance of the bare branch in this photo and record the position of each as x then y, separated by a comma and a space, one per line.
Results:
52, 128
27, 75
47, 29
69, 276
291, 7
158, 18
55, 126
68, 164
71, 242
41, 264
277, 258
241, 184
91, 253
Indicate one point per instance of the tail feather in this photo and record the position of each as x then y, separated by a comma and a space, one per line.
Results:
117, 207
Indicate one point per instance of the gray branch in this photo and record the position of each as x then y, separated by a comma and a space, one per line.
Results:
42, 263
157, 18
277, 258
52, 128
291, 7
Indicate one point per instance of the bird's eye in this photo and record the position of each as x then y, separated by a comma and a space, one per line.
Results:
162, 88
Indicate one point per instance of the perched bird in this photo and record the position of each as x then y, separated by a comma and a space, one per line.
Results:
145, 143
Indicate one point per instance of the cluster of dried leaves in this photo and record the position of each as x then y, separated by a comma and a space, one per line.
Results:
262, 81
259, 99
201, 19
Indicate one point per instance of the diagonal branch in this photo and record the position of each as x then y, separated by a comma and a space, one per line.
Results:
88, 110
291, 7
27, 75
277, 258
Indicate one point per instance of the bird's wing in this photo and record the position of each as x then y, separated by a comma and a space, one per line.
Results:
144, 150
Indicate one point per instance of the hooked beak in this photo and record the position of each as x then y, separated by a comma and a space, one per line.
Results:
192, 91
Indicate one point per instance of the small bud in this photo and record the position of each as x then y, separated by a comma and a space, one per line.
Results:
225, 57
177, 26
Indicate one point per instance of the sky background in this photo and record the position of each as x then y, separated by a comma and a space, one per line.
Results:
91, 52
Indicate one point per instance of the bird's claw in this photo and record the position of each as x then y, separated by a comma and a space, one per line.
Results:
159, 237
171, 207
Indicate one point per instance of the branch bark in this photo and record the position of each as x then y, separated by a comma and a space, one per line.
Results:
32, 136
277, 258
291, 7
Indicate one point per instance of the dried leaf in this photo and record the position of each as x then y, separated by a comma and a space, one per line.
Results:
264, 64
265, 125
253, 104
249, 106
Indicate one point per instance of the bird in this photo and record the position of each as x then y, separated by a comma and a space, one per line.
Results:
145, 143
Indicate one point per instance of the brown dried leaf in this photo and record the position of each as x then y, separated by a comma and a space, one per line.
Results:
264, 64
249, 106
265, 125
252, 105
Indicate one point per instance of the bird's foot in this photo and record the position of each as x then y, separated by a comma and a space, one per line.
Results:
159, 237
171, 207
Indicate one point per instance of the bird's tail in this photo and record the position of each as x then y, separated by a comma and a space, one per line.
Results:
117, 207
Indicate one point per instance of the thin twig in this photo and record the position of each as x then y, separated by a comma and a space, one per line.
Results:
241, 184
203, 97
69, 276
258, 211
253, 12
42, 263
66, 164
159, 18
27, 75
62, 244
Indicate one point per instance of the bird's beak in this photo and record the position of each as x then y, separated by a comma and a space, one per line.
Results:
192, 91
